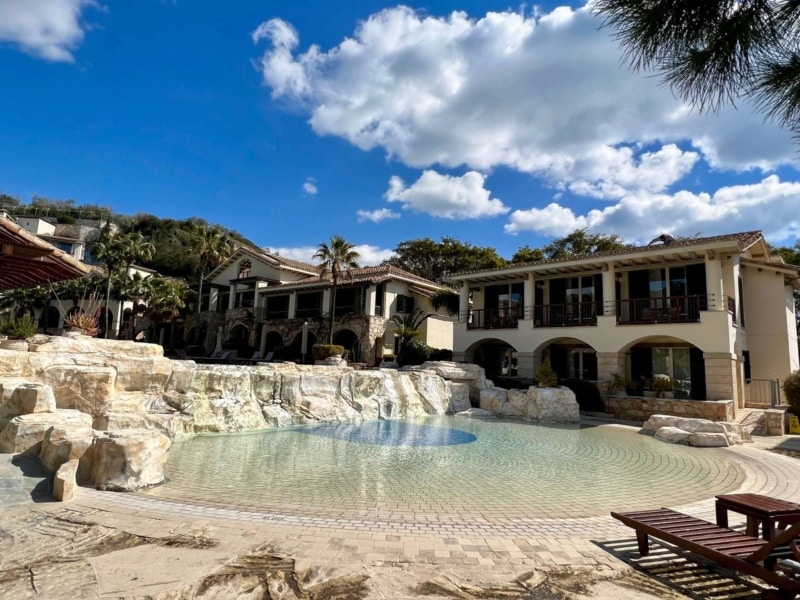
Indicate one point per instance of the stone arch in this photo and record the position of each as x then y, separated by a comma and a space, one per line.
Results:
351, 343
667, 357
50, 318
570, 357
295, 348
274, 340
496, 356
238, 339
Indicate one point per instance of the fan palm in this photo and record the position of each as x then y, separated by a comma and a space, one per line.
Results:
406, 327
336, 260
211, 246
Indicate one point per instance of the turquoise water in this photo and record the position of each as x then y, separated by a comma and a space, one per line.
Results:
507, 468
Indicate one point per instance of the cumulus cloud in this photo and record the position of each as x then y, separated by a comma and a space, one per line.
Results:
48, 29
541, 93
376, 216
447, 196
369, 255
310, 187
769, 205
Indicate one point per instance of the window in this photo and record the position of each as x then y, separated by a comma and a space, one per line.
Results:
741, 302
405, 304
245, 267
582, 364
580, 297
277, 307
65, 246
674, 363
309, 304
379, 300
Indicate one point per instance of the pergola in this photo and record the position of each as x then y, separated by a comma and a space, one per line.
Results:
27, 261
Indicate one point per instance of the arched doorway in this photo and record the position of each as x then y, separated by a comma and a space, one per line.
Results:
50, 318
274, 340
669, 358
295, 348
350, 342
498, 358
571, 358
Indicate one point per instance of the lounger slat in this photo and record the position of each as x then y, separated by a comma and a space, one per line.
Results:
726, 547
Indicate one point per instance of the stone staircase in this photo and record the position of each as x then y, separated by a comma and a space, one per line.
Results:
752, 420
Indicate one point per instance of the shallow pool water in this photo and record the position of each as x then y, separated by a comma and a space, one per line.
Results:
445, 465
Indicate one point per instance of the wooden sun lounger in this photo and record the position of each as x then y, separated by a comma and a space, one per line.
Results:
732, 549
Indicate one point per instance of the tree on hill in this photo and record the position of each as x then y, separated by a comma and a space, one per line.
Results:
716, 52
526, 254
336, 260
581, 242
437, 260
211, 246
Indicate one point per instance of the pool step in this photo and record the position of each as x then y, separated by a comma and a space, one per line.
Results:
752, 420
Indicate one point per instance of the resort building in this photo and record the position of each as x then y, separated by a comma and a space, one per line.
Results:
714, 316
261, 303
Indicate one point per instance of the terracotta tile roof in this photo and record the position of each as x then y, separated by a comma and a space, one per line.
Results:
743, 239
27, 260
369, 275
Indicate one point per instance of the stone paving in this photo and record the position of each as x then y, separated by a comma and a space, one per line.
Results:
447, 538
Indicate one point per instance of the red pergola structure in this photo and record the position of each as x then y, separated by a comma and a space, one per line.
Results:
27, 261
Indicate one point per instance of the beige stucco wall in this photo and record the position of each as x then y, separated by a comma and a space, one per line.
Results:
438, 332
36, 225
769, 335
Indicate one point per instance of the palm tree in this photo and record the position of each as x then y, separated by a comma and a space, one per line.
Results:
336, 261
211, 246
117, 253
166, 298
406, 327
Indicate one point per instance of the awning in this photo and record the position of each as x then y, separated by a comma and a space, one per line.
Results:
27, 260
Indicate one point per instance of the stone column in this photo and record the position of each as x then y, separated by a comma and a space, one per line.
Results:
463, 302
232, 297
529, 297
721, 376
213, 298
609, 363
609, 308
293, 305
262, 348
371, 297
714, 281
525, 364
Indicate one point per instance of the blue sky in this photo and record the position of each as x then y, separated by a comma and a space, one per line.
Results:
293, 121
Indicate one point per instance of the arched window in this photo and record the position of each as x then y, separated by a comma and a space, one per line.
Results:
244, 269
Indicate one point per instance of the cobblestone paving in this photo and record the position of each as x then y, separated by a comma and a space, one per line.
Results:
446, 537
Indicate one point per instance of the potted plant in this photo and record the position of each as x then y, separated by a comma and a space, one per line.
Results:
616, 385
660, 386
17, 331
80, 323
546, 376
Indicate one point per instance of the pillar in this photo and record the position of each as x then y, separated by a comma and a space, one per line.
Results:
371, 298
213, 298
722, 372
463, 302
293, 305
232, 297
609, 364
529, 297
525, 365
609, 308
714, 281
262, 348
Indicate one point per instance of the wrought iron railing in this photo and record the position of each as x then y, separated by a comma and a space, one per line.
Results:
493, 318
671, 309
578, 314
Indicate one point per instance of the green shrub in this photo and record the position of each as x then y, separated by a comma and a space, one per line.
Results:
441, 354
66, 220
791, 387
587, 394
545, 376
20, 328
283, 353
415, 352
323, 351
388, 357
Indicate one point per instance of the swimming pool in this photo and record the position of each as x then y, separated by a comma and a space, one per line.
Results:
435, 465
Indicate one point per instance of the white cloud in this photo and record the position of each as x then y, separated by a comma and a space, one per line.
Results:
376, 216
48, 29
544, 94
369, 255
446, 196
310, 187
769, 205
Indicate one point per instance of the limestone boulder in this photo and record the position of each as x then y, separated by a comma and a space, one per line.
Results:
368, 395
7, 387
475, 413
459, 397
708, 440
64, 443
656, 422
322, 397
275, 416
672, 435
493, 399
85, 345
64, 483
173, 425
555, 405
129, 460
26, 432
518, 404
31, 398
85, 388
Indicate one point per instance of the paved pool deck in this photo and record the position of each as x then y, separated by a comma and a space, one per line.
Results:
439, 541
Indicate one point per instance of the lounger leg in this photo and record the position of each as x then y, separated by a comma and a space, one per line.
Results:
643, 542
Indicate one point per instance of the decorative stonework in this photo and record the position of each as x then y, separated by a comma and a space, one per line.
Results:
640, 409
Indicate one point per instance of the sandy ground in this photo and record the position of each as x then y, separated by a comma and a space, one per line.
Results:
57, 551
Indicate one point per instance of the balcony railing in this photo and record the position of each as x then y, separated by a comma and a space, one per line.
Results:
493, 318
645, 311
732, 308
579, 314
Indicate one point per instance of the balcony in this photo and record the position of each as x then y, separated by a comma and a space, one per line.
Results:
648, 311
579, 314
493, 318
